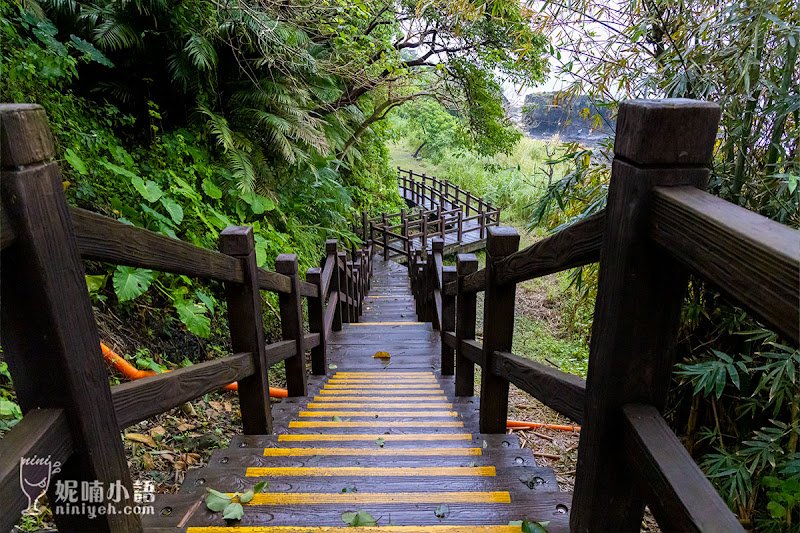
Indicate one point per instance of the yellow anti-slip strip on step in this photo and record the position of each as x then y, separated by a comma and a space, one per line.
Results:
374, 424
378, 400
377, 405
384, 379
387, 323
346, 373
375, 436
386, 414
378, 529
410, 392
361, 498
302, 452
384, 386
378, 471
429, 377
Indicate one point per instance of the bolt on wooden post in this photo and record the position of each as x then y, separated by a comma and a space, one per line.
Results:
466, 314
50, 339
498, 330
661, 143
291, 310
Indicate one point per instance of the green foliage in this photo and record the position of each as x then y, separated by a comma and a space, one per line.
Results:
359, 519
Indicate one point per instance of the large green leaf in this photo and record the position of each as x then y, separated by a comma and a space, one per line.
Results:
233, 511
175, 211
193, 316
359, 519
130, 282
75, 162
149, 190
211, 189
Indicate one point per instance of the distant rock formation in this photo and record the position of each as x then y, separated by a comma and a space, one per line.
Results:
541, 117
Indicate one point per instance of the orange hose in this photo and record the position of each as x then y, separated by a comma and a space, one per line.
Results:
133, 373
533, 425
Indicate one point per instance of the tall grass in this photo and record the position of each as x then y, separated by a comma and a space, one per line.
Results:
515, 181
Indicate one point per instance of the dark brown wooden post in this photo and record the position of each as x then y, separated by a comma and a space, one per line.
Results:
50, 339
469, 197
344, 306
316, 324
440, 220
437, 248
447, 191
356, 269
460, 224
482, 219
417, 283
385, 238
292, 325
466, 314
245, 321
424, 225
497, 332
331, 246
637, 313
365, 226
448, 321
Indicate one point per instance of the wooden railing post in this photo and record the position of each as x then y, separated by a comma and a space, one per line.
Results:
385, 238
331, 246
437, 249
424, 237
498, 330
469, 197
416, 283
640, 292
448, 321
316, 324
440, 220
344, 281
466, 314
365, 226
356, 287
482, 219
460, 224
50, 338
245, 320
291, 310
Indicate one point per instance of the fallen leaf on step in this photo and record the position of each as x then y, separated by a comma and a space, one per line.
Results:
147, 461
185, 427
381, 355
158, 431
228, 406
144, 439
215, 405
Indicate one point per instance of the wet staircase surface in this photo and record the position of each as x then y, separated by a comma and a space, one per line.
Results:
381, 435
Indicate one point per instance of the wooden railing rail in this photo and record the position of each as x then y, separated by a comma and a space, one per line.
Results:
658, 226
51, 343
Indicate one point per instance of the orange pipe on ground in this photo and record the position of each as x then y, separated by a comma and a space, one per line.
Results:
133, 373
515, 424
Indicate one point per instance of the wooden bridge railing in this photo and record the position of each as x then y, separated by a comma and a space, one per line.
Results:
658, 227
445, 210
50, 339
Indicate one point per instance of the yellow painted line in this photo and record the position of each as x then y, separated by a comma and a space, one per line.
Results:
346, 373
382, 471
378, 529
373, 405
384, 386
389, 379
387, 323
374, 436
373, 424
301, 452
398, 296
361, 498
376, 400
376, 414
410, 392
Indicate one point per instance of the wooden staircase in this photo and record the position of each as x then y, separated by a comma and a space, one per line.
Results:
386, 436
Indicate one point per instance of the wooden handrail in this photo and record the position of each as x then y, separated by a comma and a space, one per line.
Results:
41, 433
138, 400
753, 259
677, 491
